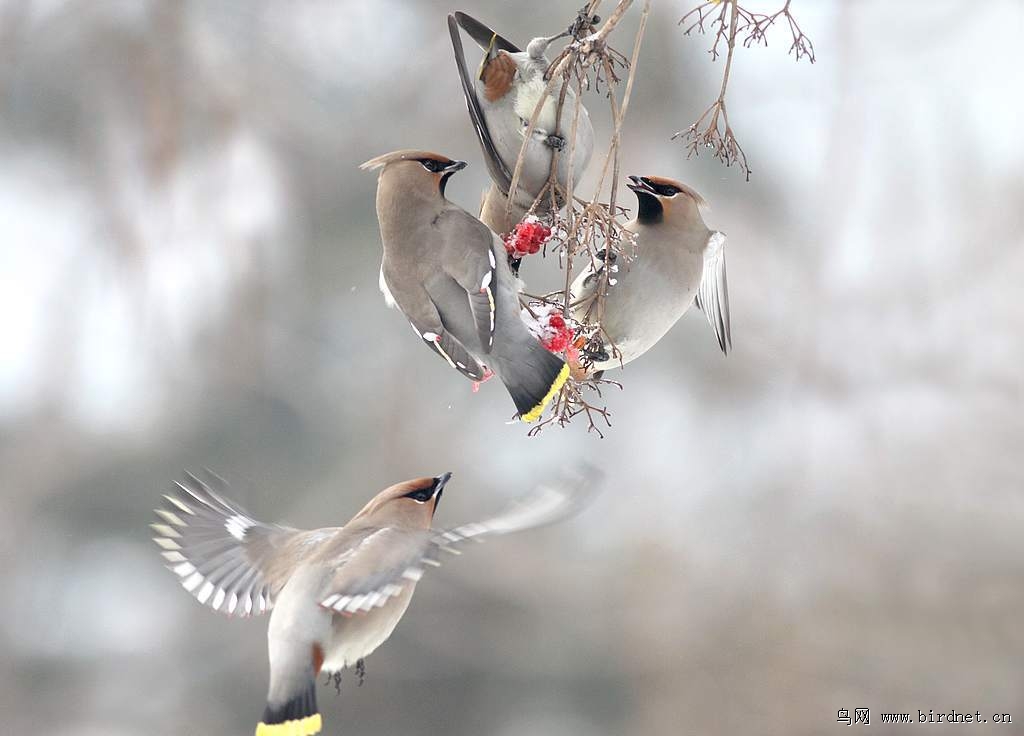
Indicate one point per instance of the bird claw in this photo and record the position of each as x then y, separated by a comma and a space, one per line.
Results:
361, 671
556, 142
584, 22
335, 678
602, 258
596, 354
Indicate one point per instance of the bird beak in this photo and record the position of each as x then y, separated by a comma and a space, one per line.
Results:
451, 169
439, 483
640, 184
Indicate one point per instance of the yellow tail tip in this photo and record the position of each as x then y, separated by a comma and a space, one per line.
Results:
534, 413
302, 727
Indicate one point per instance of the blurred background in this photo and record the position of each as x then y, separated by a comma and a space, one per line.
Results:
831, 517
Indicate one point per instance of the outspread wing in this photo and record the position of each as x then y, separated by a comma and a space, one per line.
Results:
389, 560
496, 167
221, 555
713, 295
384, 563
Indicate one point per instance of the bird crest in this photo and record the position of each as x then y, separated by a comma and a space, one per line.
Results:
407, 154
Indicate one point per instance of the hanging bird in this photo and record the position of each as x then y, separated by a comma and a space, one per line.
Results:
335, 594
449, 275
679, 262
501, 99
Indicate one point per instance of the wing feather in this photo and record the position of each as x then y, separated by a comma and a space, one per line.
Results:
468, 256
220, 554
713, 295
496, 167
388, 561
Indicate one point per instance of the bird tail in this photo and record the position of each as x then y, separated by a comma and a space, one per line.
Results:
533, 378
298, 717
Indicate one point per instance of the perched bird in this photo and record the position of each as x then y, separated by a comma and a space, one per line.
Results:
501, 99
449, 275
679, 262
335, 594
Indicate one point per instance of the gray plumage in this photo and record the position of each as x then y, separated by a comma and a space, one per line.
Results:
335, 594
448, 273
501, 99
679, 262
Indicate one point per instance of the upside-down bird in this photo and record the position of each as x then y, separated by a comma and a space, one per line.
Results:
679, 262
448, 273
501, 98
335, 594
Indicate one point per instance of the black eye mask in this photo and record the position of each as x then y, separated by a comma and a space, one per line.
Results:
665, 190
422, 495
432, 166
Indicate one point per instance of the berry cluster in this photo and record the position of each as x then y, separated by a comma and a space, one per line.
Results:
555, 332
527, 237
558, 335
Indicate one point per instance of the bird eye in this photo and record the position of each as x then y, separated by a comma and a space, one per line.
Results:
432, 166
667, 190
422, 495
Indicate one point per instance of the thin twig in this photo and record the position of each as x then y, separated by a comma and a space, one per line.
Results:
728, 22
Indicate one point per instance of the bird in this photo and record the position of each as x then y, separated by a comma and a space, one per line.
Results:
501, 99
449, 275
679, 262
334, 594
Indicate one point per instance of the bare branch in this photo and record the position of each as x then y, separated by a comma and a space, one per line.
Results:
588, 228
729, 20
800, 46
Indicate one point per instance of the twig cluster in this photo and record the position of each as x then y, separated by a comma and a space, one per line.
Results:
586, 228
596, 64
730, 22
572, 402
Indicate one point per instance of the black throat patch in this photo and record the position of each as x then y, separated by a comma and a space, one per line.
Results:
444, 181
649, 210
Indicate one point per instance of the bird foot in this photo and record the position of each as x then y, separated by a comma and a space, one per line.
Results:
602, 258
584, 23
361, 671
595, 354
556, 142
335, 679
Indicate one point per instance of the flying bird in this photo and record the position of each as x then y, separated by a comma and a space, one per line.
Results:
679, 262
449, 275
334, 594
501, 98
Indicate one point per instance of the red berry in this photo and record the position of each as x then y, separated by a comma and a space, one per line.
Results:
526, 238
562, 336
